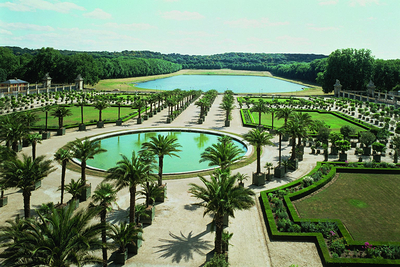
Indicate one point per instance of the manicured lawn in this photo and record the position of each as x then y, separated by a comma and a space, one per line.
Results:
368, 205
334, 122
90, 114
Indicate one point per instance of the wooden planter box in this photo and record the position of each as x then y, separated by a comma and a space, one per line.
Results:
133, 248
38, 184
3, 201
139, 120
118, 122
46, 135
100, 124
61, 131
86, 192
334, 150
200, 121
279, 172
258, 179
145, 117
225, 220
150, 212
342, 157
169, 120
82, 127
227, 123
294, 164
367, 151
163, 196
121, 257
377, 157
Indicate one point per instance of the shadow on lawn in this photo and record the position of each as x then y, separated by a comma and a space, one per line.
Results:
182, 247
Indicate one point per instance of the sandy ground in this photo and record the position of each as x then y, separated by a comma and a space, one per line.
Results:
180, 234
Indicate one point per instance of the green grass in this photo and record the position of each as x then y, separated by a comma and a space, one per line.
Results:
334, 122
366, 203
89, 113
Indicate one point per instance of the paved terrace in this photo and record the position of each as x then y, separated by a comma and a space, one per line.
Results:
179, 235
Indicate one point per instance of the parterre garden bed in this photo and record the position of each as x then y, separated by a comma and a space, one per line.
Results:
335, 243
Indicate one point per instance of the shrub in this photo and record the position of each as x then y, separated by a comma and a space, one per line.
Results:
218, 260
295, 228
284, 224
307, 181
317, 176
282, 214
383, 165
337, 246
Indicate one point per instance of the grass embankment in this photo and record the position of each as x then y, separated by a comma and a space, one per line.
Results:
90, 114
334, 122
366, 203
129, 84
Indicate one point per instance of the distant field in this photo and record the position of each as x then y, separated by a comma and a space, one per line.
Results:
334, 122
90, 114
368, 204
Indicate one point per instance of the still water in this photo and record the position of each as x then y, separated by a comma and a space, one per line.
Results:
193, 144
238, 84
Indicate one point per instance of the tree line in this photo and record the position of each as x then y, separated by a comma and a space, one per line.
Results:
354, 68
65, 68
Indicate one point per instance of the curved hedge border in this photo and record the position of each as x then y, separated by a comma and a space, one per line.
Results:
318, 238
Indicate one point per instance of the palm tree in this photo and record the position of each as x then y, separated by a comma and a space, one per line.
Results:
24, 174
294, 129
46, 109
259, 107
162, 146
227, 105
61, 112
5, 155
12, 130
60, 238
222, 154
272, 111
124, 234
104, 195
34, 139
221, 197
83, 151
64, 156
100, 106
129, 173
304, 120
138, 104
284, 113
75, 189
258, 139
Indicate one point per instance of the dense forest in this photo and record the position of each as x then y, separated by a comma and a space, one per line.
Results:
354, 68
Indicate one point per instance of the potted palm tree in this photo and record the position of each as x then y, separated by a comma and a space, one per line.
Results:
268, 166
241, 177
151, 191
258, 139
84, 150
367, 138
75, 189
61, 112
379, 148
46, 133
138, 104
162, 146
123, 235
100, 106
343, 146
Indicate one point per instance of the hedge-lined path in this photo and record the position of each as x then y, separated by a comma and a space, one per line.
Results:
179, 235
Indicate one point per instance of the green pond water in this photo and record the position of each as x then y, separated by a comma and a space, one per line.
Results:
193, 144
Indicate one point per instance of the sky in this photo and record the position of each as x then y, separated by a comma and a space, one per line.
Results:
204, 27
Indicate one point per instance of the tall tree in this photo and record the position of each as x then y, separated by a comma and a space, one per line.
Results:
258, 139
104, 196
221, 197
61, 112
84, 150
63, 155
23, 174
162, 146
222, 154
260, 107
62, 237
351, 66
129, 173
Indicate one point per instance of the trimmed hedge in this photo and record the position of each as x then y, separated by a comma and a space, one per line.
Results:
318, 238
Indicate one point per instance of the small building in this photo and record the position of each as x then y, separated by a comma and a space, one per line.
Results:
14, 84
